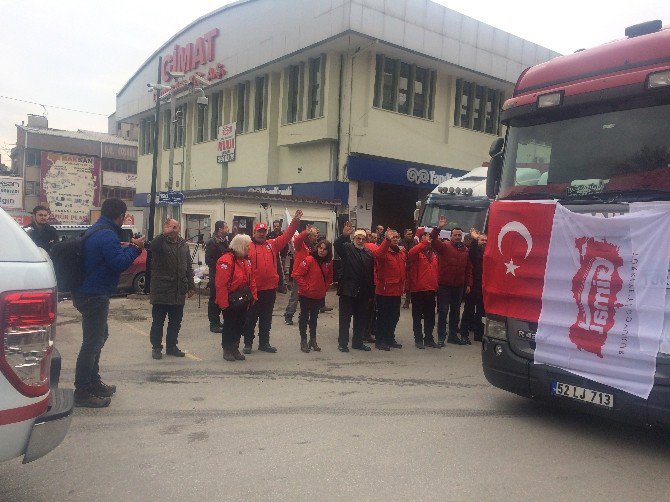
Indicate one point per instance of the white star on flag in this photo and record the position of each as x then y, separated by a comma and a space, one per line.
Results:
511, 267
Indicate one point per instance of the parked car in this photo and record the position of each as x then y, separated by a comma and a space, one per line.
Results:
34, 413
133, 278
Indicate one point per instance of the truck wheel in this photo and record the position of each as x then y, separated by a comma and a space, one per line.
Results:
139, 282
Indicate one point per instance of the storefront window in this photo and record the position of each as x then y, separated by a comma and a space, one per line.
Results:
198, 227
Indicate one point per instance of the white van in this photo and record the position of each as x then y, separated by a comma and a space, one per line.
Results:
34, 413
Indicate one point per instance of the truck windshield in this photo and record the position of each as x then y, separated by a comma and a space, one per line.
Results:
463, 217
612, 152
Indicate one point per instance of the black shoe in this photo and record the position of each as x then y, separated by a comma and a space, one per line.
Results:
396, 345
325, 309
247, 349
216, 328
419, 345
466, 339
174, 351
267, 348
156, 354
440, 344
382, 346
456, 341
84, 398
288, 321
362, 347
430, 343
343, 348
101, 389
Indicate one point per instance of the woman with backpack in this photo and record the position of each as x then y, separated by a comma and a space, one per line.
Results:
314, 275
235, 292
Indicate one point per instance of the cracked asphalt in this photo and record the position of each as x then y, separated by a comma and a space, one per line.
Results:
402, 425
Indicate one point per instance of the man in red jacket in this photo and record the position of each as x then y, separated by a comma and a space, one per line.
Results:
263, 255
391, 271
422, 279
454, 276
303, 244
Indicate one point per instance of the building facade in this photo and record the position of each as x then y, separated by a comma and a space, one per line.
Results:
73, 172
369, 102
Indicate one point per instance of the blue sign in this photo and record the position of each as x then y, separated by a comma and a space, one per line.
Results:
396, 172
174, 198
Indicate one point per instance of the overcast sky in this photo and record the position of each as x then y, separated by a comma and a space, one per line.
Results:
77, 54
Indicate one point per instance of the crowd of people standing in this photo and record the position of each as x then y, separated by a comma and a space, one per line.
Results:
376, 269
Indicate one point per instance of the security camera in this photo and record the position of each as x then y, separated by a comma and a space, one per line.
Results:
202, 101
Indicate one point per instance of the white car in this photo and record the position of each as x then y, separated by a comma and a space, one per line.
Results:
34, 413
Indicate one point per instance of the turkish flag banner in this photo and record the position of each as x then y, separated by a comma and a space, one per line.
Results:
603, 302
516, 257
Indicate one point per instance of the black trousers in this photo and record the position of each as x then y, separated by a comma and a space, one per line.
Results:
448, 302
174, 313
423, 309
473, 311
261, 313
213, 310
309, 313
233, 326
356, 307
388, 315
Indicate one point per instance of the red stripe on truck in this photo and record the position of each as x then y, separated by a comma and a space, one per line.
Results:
22, 413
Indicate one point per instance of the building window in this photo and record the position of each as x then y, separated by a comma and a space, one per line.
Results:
260, 103
404, 88
294, 95
180, 126
215, 114
200, 123
119, 193
242, 106
119, 166
147, 136
33, 157
316, 87
32, 187
166, 129
477, 107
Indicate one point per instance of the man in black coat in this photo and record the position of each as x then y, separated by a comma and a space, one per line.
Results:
473, 311
216, 246
42, 234
355, 286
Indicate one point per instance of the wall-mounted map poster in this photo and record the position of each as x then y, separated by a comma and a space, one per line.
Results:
70, 186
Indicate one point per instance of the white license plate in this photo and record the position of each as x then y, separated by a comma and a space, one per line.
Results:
582, 394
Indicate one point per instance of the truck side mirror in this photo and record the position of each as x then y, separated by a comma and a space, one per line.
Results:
495, 168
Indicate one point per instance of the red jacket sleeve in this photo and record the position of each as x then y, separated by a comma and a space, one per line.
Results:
282, 241
254, 289
436, 242
221, 281
413, 254
299, 239
380, 252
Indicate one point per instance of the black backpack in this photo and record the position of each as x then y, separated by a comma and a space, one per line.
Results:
68, 260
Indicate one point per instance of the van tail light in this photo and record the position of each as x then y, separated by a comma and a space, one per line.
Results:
27, 330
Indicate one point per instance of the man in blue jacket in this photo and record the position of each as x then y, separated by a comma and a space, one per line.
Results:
104, 260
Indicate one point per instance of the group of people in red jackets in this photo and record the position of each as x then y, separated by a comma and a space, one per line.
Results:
372, 274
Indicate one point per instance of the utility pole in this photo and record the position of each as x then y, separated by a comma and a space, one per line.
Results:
154, 175
173, 111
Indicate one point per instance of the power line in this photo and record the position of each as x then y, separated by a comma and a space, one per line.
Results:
53, 106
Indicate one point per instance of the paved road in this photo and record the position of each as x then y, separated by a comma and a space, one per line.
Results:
409, 424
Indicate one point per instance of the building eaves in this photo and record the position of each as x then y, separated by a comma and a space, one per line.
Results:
231, 193
80, 134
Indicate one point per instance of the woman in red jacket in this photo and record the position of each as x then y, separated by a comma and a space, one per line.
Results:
314, 275
234, 272
422, 278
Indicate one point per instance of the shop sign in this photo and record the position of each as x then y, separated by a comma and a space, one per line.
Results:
398, 173
123, 180
174, 198
226, 145
11, 192
191, 56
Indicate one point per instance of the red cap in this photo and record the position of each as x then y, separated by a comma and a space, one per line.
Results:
260, 226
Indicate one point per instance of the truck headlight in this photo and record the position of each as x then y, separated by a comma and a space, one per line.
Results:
496, 329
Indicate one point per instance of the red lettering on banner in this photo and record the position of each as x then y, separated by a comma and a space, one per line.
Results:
595, 287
